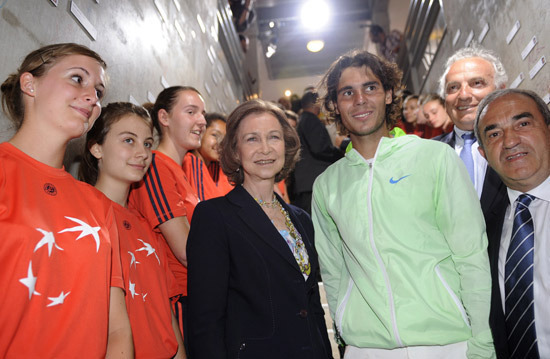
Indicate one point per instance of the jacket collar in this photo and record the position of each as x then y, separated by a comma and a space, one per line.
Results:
385, 148
255, 219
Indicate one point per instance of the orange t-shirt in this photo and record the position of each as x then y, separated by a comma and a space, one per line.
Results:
164, 194
144, 264
199, 178
59, 256
220, 179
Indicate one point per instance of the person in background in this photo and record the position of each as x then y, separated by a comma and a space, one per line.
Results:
292, 118
400, 122
388, 46
213, 157
423, 130
243, 14
253, 269
471, 74
282, 187
410, 115
433, 108
164, 196
285, 103
317, 151
417, 289
295, 103
61, 274
197, 163
513, 131
117, 154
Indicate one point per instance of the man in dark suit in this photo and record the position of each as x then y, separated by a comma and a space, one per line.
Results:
513, 130
470, 75
317, 151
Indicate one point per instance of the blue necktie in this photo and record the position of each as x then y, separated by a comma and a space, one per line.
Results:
518, 284
466, 154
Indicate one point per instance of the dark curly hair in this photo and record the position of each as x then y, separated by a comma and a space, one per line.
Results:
388, 73
229, 161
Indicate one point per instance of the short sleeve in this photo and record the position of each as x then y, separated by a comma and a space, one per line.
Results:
158, 197
117, 279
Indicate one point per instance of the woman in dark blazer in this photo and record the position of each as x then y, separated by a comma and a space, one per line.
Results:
252, 267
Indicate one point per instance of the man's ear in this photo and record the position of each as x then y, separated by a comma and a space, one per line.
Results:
96, 151
389, 95
163, 117
26, 82
482, 152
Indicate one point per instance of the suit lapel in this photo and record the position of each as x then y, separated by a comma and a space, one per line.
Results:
257, 221
451, 139
493, 193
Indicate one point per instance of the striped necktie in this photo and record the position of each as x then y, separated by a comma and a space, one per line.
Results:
518, 284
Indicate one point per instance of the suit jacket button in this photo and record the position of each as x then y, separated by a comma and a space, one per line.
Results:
243, 346
303, 313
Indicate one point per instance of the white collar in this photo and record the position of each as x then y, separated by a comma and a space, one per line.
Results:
458, 135
542, 191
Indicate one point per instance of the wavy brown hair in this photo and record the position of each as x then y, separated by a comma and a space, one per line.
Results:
229, 161
37, 63
388, 73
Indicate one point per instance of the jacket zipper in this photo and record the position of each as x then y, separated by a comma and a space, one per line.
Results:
455, 299
378, 257
342, 307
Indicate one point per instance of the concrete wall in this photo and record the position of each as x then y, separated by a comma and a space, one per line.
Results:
500, 15
137, 44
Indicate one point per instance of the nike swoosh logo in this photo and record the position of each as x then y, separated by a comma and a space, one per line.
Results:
392, 181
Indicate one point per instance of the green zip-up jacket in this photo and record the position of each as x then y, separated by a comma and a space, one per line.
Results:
403, 248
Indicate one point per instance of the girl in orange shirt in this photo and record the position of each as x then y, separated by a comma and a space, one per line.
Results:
165, 197
202, 167
118, 153
61, 279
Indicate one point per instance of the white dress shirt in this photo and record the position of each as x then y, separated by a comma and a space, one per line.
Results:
480, 164
540, 211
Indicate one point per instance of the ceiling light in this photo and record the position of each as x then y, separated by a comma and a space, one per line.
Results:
315, 14
288, 93
315, 45
271, 24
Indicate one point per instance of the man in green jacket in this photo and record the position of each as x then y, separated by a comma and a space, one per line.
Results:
399, 230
